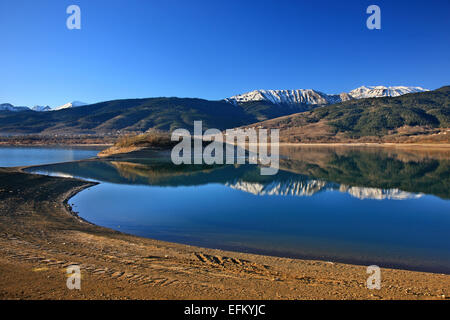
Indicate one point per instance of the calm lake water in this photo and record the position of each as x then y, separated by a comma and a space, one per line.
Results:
365, 206
26, 156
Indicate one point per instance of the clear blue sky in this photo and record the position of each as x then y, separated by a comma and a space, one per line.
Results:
216, 48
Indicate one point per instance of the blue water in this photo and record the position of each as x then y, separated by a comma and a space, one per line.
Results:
330, 225
25, 156
359, 207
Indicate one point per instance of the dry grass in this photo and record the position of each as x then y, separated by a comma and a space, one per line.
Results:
152, 139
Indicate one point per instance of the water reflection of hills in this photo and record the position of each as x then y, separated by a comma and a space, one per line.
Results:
411, 170
365, 174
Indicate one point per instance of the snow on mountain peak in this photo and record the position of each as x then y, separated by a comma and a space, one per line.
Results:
300, 96
314, 97
10, 107
41, 108
382, 91
73, 104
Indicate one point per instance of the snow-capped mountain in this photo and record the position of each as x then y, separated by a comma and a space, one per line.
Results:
41, 108
73, 104
382, 91
314, 97
10, 107
300, 96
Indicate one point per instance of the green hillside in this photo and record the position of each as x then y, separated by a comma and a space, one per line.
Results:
128, 115
377, 116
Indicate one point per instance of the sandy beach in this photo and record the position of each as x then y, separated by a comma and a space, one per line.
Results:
40, 236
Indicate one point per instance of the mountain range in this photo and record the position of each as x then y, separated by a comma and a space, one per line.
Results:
10, 107
288, 97
403, 118
313, 97
128, 115
41, 108
293, 111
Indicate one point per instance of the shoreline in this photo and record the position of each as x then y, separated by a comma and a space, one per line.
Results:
258, 276
357, 144
66, 197
44, 145
246, 250
242, 250
113, 151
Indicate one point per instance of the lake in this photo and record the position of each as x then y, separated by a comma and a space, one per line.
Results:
26, 156
366, 206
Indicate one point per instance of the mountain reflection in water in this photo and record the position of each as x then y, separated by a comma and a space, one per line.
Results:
365, 173
338, 204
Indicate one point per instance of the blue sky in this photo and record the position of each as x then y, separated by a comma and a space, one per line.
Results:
214, 49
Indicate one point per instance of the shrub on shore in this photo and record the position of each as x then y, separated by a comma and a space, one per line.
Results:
154, 138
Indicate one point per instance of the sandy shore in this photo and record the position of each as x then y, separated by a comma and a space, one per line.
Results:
40, 236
